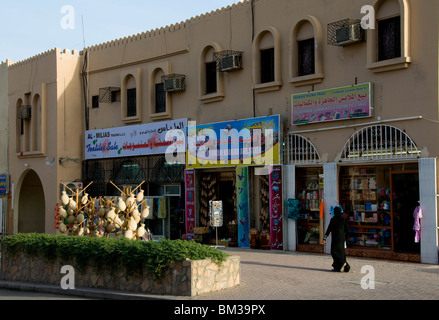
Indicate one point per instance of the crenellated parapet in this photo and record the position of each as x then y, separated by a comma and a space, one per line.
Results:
160, 32
43, 55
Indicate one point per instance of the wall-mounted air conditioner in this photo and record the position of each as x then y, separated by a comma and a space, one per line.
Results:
231, 62
174, 82
25, 112
349, 34
72, 186
109, 94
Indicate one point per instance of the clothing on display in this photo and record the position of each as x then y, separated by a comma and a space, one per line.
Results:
418, 215
161, 208
150, 203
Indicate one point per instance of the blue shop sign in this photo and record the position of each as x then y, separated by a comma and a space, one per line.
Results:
4, 184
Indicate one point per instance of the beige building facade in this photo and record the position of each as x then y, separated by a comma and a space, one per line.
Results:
299, 60
45, 135
4, 169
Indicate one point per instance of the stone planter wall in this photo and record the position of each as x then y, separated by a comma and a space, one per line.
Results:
187, 278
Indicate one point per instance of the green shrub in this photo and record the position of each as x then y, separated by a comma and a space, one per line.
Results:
113, 254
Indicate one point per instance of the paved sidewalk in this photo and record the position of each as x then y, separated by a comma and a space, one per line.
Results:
268, 275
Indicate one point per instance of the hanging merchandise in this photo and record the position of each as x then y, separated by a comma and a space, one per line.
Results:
243, 206
294, 208
162, 209
418, 215
148, 209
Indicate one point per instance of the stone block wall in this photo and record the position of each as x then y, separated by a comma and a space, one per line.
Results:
186, 278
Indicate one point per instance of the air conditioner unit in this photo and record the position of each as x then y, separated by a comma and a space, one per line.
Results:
26, 112
231, 62
348, 35
174, 84
74, 186
109, 94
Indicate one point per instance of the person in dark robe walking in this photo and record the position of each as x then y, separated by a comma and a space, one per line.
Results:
338, 227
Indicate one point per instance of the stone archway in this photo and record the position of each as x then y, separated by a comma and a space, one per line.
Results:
31, 204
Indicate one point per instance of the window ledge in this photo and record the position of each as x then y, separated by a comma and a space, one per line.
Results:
212, 97
31, 154
131, 119
389, 65
161, 116
269, 86
308, 79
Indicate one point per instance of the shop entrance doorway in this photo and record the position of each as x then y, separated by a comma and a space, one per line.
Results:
405, 198
218, 185
226, 193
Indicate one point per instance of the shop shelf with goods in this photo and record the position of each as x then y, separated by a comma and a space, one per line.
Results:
366, 202
310, 194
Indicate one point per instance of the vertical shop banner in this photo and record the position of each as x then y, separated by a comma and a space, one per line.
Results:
190, 203
242, 202
276, 209
4, 184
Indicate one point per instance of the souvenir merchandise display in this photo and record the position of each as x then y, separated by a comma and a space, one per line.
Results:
365, 197
310, 196
121, 216
207, 193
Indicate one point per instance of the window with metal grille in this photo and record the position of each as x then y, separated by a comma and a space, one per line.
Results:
211, 77
389, 38
267, 65
131, 103
299, 150
306, 57
379, 142
160, 98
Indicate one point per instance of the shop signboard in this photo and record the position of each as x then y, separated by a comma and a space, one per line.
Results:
333, 104
242, 201
143, 139
276, 208
190, 203
247, 142
4, 184
216, 213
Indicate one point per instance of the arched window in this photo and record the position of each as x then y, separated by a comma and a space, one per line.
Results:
131, 96
211, 81
388, 43
267, 65
306, 52
299, 150
19, 144
160, 102
128, 173
379, 142
36, 143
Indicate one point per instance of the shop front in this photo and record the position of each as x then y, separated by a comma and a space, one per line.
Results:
380, 202
128, 157
385, 186
226, 162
